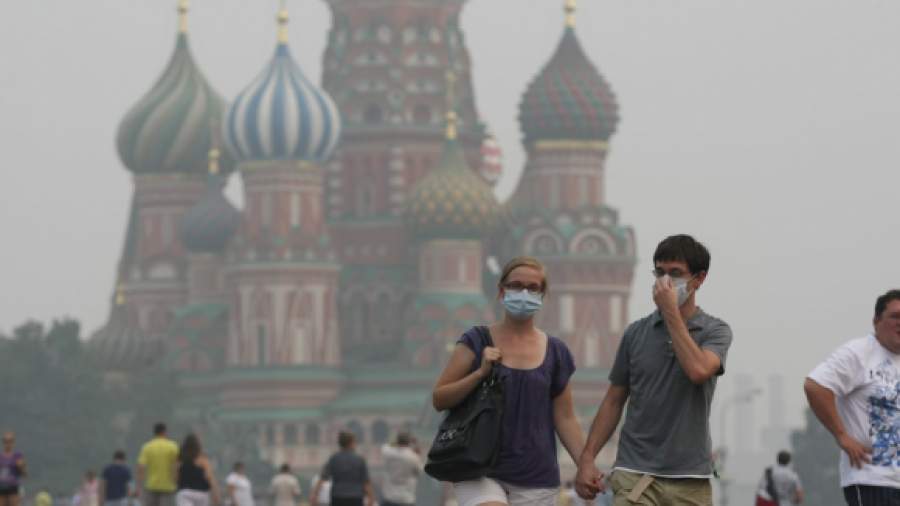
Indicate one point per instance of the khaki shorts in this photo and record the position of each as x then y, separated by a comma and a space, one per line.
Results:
659, 491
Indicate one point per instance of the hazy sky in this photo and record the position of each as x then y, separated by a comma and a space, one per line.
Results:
768, 129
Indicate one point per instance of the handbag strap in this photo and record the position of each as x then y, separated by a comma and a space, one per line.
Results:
488, 340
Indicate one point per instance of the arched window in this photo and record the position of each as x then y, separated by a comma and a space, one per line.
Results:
290, 434
357, 429
312, 435
421, 114
262, 349
270, 435
545, 245
373, 115
380, 432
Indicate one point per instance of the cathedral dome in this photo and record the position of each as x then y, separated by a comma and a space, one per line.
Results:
569, 99
452, 202
119, 345
169, 129
282, 115
209, 225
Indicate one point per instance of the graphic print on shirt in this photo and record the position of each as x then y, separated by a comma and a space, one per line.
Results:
884, 416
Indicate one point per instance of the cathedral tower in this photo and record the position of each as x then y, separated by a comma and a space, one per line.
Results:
567, 114
284, 272
164, 140
385, 65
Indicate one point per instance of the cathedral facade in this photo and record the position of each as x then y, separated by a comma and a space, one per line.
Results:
369, 235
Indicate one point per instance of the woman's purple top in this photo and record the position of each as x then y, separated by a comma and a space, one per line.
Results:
528, 437
9, 469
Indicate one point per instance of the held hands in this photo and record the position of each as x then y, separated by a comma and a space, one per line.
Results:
664, 294
489, 356
589, 481
859, 453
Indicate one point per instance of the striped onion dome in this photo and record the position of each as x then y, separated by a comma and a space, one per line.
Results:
169, 129
452, 202
569, 99
282, 116
119, 345
209, 225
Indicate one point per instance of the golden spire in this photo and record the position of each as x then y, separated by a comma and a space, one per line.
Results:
214, 153
451, 106
183, 6
120, 296
282, 23
570, 13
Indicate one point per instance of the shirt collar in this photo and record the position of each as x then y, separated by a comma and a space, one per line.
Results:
695, 322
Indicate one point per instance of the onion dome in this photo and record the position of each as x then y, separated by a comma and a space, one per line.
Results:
209, 225
491, 159
168, 130
452, 202
119, 345
282, 115
569, 99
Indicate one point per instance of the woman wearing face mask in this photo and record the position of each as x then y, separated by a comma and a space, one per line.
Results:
536, 369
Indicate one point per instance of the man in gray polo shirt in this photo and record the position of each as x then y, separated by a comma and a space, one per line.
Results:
349, 476
665, 371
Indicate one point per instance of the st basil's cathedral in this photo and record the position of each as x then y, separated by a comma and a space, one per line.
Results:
370, 234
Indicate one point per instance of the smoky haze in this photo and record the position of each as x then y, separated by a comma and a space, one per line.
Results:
767, 129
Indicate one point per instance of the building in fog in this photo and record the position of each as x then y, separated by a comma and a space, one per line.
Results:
332, 299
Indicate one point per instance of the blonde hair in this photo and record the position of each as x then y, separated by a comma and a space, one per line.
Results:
524, 261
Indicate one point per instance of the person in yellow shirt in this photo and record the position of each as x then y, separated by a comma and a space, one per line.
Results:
156, 469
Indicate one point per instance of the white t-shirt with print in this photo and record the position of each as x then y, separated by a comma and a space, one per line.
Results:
865, 379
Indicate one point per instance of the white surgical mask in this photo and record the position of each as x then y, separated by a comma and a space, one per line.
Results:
681, 288
521, 304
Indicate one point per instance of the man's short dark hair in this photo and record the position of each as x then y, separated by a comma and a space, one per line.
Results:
285, 468
404, 439
882, 302
119, 455
784, 457
683, 248
238, 466
159, 428
345, 439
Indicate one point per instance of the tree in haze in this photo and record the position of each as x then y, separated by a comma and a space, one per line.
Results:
816, 461
67, 415
54, 400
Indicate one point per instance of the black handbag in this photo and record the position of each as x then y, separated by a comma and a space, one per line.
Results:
468, 440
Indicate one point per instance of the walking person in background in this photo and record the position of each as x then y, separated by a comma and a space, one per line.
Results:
349, 475
12, 470
780, 485
285, 488
88, 494
854, 393
240, 489
114, 482
538, 406
667, 365
156, 469
196, 480
402, 465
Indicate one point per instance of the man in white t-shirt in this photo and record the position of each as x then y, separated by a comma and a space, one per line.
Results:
240, 490
855, 393
285, 488
402, 466
785, 482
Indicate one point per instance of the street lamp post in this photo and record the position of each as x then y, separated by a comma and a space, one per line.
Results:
738, 398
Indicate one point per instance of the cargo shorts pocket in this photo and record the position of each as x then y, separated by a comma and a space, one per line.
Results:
630, 488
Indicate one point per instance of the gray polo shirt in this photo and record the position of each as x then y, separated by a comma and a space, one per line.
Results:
666, 431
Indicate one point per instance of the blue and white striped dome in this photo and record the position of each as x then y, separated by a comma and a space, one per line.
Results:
282, 116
